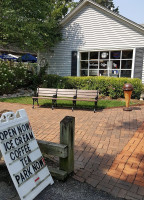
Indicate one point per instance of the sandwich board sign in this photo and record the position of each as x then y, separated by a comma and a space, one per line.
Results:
22, 155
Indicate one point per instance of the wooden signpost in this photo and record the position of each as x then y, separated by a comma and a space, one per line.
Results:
22, 155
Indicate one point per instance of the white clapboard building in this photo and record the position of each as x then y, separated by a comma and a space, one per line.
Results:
97, 42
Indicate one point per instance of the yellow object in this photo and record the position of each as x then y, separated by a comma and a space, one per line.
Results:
127, 95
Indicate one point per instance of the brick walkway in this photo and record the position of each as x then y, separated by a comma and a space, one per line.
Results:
109, 145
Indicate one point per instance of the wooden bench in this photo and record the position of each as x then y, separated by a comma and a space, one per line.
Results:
73, 95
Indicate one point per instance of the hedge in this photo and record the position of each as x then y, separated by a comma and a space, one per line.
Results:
13, 77
107, 86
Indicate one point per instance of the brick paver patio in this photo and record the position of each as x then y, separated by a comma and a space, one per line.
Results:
109, 145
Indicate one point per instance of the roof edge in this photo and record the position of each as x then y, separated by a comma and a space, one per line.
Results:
84, 2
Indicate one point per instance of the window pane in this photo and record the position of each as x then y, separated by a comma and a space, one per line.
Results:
84, 56
114, 73
104, 55
93, 65
93, 55
126, 64
93, 73
115, 54
115, 64
84, 72
103, 72
84, 65
126, 73
103, 64
127, 54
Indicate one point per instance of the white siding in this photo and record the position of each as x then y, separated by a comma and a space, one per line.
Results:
91, 29
143, 70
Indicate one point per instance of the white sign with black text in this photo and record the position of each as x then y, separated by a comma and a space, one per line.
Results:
22, 155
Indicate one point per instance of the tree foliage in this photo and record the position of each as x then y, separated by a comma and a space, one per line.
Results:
34, 25
31, 24
108, 4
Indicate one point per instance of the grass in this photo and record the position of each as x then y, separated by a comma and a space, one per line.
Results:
61, 103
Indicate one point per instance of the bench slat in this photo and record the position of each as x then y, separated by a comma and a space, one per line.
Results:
47, 89
87, 91
67, 90
43, 93
71, 92
47, 92
85, 96
65, 95
69, 99
46, 95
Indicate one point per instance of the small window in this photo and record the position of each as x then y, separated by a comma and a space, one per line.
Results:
116, 64
84, 72
93, 55
115, 54
104, 55
84, 65
103, 72
93, 73
126, 73
93, 65
127, 54
84, 56
103, 64
114, 73
126, 64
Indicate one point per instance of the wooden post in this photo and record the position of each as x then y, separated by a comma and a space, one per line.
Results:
67, 132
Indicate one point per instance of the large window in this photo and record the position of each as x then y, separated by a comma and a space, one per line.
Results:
106, 63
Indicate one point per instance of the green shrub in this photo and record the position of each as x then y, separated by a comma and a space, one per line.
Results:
13, 77
18, 76
107, 86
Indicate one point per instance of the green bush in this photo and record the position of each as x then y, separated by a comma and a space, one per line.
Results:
107, 86
14, 77
18, 76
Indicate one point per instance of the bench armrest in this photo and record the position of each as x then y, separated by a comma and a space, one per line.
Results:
96, 98
35, 94
55, 96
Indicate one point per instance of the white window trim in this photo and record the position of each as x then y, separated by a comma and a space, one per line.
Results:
133, 63
89, 50
78, 63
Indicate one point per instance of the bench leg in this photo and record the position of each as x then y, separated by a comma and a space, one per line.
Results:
33, 103
54, 102
74, 105
37, 103
95, 106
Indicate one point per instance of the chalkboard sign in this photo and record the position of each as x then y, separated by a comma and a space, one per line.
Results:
22, 155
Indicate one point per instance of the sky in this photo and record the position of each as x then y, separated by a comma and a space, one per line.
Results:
131, 9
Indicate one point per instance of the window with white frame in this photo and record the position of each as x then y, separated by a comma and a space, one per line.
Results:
106, 63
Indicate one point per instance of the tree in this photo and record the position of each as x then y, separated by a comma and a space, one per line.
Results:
31, 24
108, 4
34, 25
